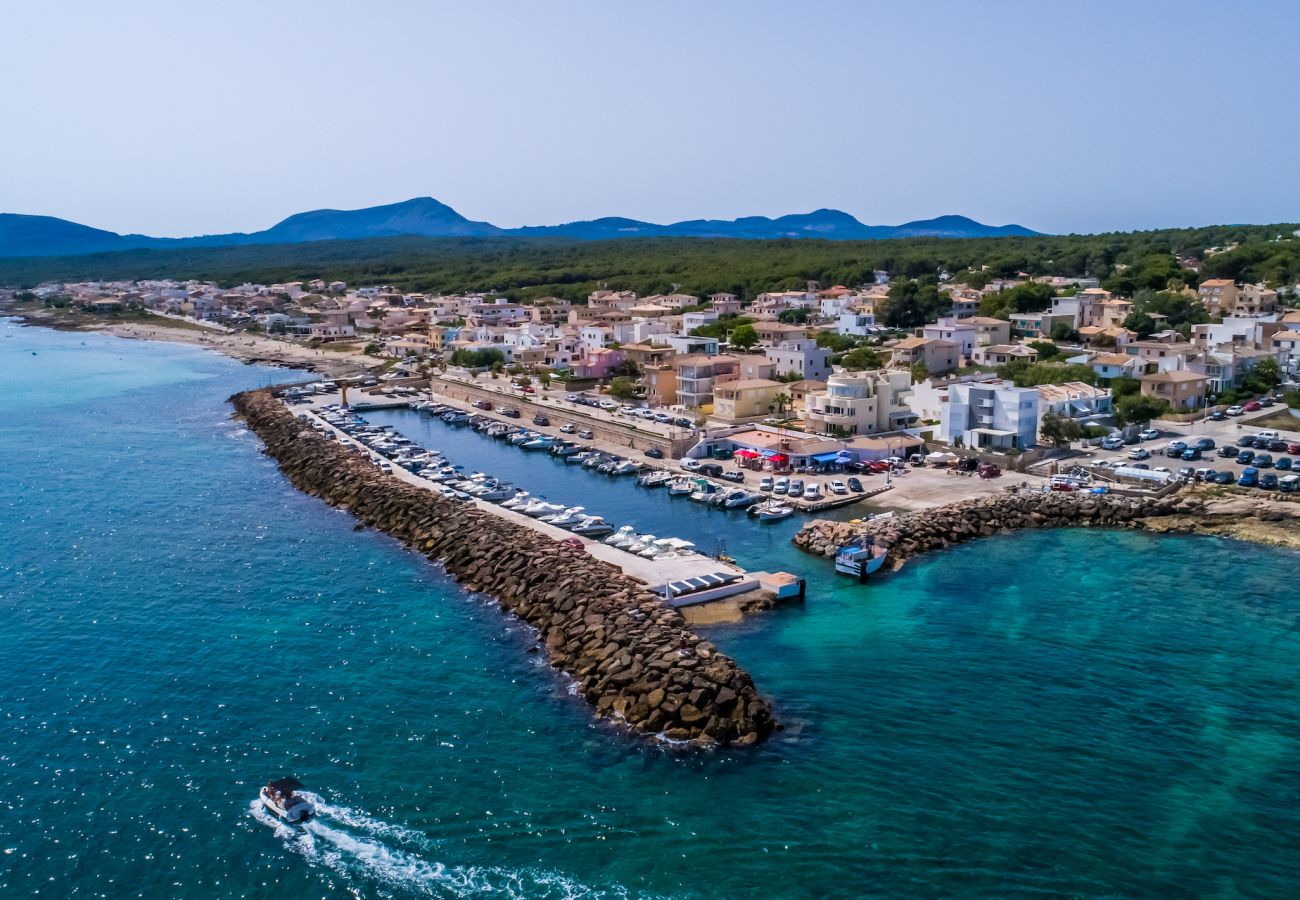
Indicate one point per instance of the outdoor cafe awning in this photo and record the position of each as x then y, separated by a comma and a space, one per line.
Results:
825, 457
747, 454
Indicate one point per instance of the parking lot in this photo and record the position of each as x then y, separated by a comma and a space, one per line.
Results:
1225, 433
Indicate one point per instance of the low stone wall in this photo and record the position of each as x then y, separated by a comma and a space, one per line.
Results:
913, 533
634, 659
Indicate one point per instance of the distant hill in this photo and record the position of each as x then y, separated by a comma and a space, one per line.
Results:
22, 235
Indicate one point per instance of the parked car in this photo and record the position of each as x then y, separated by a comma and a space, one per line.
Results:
1149, 434
1278, 446
781, 486
690, 465
812, 492
855, 486
655, 453
540, 419
1227, 451
1246, 440
1289, 484
1191, 454
713, 470
1246, 457
1293, 449
482, 404
1262, 461
1223, 478
1139, 453
970, 463
569, 428
1218, 415
1204, 443
765, 484
839, 487
585, 434
1249, 477
796, 487
734, 475
1283, 463
1140, 466
877, 466
989, 470
510, 412
1235, 410
571, 398
683, 423
1266, 401
1268, 481
1112, 442
1252, 406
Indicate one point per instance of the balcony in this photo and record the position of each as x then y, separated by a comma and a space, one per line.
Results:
984, 404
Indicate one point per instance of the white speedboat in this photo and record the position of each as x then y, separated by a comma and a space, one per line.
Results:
737, 499
643, 542
626, 467
523, 498
566, 518
654, 479
280, 798
624, 533
592, 526
541, 508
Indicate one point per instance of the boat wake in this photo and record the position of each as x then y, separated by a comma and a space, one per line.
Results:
368, 853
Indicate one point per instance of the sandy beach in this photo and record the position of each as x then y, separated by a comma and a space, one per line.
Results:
249, 348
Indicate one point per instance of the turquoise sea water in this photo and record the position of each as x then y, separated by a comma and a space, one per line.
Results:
1061, 714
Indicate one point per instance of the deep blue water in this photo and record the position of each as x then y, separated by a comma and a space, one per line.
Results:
1069, 713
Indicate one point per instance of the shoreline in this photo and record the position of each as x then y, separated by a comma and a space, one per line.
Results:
1267, 521
245, 348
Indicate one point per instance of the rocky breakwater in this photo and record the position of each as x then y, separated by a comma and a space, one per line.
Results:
919, 532
634, 659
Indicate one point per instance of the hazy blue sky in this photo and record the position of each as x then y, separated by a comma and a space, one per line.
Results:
176, 118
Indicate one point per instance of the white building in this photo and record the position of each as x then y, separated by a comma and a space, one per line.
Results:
995, 415
803, 358
857, 324
860, 403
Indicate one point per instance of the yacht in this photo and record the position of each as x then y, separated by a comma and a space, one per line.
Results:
502, 491
704, 492
523, 498
566, 518
624, 532
581, 457
626, 467
592, 526
520, 436
643, 542
738, 499
280, 798
593, 461
541, 442
539, 508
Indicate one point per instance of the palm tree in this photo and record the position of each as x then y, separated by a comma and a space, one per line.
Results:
781, 401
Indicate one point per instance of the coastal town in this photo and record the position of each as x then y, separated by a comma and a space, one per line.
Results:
810, 384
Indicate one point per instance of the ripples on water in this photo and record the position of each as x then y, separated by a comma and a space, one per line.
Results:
1058, 714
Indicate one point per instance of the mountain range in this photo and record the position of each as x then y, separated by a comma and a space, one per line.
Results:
23, 235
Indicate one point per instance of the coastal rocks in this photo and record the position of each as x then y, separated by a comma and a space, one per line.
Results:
632, 658
918, 532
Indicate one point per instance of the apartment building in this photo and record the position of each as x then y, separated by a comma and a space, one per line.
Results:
859, 403
697, 375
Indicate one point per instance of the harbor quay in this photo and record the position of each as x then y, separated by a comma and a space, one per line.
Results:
632, 657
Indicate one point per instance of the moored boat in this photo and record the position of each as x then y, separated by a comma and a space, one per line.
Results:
860, 558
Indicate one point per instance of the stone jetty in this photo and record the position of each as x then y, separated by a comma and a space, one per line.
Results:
633, 658
913, 533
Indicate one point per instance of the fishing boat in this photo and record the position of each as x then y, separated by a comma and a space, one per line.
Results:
625, 467
860, 558
280, 798
654, 478
680, 487
771, 511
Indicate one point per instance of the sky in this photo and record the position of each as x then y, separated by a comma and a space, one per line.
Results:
172, 119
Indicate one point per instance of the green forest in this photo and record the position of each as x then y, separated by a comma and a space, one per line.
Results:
525, 268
